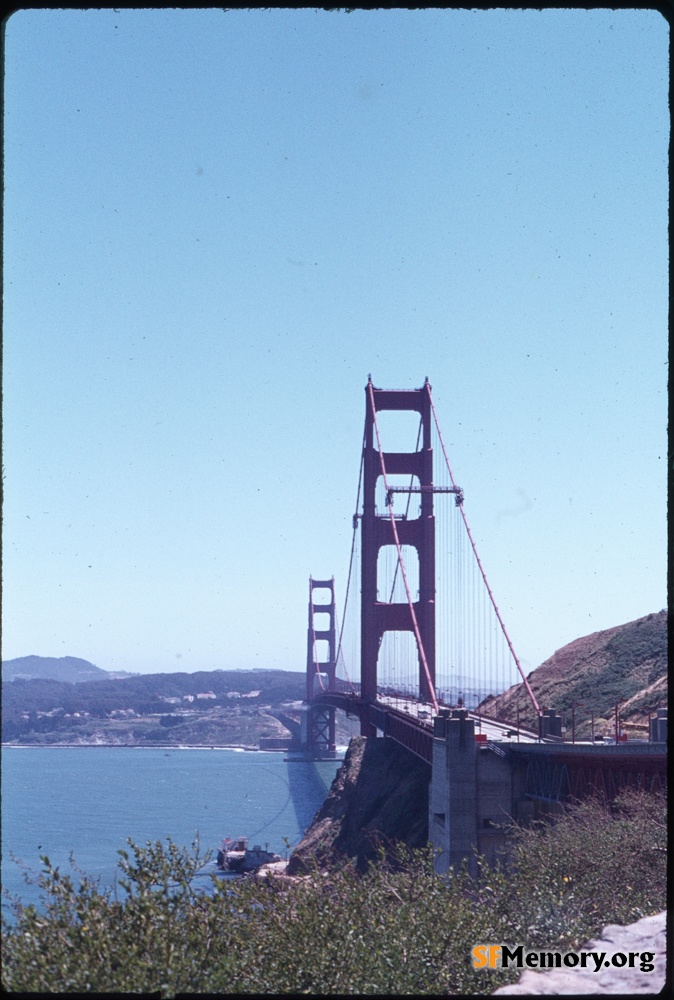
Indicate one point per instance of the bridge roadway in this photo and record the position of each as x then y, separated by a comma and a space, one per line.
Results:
412, 723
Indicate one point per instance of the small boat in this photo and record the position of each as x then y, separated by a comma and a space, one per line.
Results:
236, 856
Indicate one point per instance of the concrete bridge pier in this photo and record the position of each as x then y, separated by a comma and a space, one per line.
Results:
550, 725
658, 727
478, 787
474, 791
452, 823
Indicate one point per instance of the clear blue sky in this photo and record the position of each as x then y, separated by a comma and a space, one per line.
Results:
218, 223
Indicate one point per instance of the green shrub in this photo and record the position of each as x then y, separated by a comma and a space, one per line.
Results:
593, 866
398, 929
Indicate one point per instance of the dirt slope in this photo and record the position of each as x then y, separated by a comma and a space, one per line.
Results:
627, 663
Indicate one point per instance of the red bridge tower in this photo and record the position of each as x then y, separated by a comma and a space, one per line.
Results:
378, 617
318, 737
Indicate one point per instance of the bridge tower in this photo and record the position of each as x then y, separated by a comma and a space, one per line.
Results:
318, 736
378, 617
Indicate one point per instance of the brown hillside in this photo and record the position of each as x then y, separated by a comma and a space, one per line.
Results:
627, 663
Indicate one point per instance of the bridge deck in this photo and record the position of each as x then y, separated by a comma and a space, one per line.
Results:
411, 724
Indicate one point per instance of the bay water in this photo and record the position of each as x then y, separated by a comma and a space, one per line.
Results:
88, 800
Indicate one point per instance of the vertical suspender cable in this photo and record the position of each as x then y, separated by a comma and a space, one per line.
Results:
531, 694
348, 581
315, 649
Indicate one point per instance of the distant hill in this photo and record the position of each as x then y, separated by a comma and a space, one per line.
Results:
627, 663
226, 707
69, 669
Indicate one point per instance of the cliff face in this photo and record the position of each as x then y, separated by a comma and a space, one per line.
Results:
379, 797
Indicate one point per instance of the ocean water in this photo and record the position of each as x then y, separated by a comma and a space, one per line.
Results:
88, 800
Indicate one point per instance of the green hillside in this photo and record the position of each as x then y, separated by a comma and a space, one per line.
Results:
35, 709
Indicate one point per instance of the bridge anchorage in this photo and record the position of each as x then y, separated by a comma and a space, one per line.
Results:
432, 647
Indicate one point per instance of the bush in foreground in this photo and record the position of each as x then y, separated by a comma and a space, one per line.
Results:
399, 929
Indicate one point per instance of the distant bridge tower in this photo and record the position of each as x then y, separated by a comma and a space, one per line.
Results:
378, 617
318, 730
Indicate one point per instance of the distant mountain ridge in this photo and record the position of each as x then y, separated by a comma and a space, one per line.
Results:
69, 669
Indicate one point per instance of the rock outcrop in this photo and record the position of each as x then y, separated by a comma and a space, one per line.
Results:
379, 796
646, 935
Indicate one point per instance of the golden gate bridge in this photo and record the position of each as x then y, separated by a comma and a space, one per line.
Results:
421, 645
428, 632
